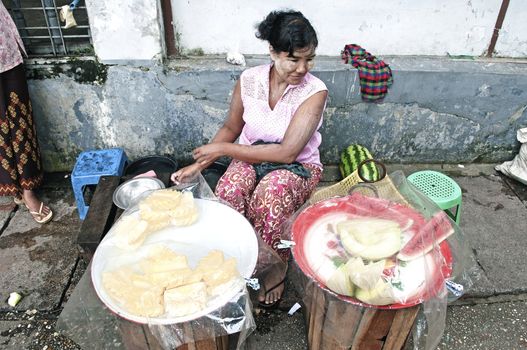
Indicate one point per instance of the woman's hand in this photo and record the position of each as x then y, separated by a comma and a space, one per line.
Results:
204, 156
207, 154
186, 173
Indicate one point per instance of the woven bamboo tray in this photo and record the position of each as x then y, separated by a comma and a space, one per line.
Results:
383, 188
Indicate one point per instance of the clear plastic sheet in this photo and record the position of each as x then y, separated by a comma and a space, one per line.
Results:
90, 324
270, 268
365, 252
93, 325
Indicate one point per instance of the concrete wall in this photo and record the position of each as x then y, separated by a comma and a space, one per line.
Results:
125, 31
438, 110
404, 27
131, 30
513, 35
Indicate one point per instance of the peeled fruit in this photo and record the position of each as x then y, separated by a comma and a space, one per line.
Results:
365, 276
370, 238
340, 283
381, 294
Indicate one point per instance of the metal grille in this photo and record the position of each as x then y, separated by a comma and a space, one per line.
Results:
41, 30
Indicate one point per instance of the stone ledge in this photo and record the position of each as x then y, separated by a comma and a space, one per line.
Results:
322, 63
334, 63
332, 174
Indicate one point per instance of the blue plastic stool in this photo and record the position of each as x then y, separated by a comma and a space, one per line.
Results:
89, 168
441, 189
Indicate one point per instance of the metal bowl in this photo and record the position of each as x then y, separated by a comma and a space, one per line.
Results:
130, 190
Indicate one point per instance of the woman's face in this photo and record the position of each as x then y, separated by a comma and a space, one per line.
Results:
292, 69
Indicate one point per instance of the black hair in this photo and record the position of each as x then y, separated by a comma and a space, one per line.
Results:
287, 31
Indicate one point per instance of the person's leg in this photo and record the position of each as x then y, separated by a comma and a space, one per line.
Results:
26, 159
236, 185
276, 197
9, 185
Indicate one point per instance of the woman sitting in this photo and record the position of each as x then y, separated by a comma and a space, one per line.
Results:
275, 112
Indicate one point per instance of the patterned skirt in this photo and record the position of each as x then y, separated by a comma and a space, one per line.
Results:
20, 163
269, 203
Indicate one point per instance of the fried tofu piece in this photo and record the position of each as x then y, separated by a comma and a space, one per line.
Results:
162, 259
134, 292
130, 232
175, 278
185, 300
213, 258
216, 271
221, 274
169, 206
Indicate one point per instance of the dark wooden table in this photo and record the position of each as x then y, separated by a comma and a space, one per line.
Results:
101, 216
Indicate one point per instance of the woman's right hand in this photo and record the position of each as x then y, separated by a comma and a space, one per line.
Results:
185, 174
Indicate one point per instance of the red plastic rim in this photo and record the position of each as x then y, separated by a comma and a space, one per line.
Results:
315, 212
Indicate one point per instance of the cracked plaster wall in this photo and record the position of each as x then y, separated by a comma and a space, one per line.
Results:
436, 111
125, 31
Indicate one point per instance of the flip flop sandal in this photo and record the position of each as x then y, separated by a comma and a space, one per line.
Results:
274, 304
43, 218
18, 200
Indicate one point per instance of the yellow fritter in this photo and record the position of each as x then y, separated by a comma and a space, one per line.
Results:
160, 259
185, 300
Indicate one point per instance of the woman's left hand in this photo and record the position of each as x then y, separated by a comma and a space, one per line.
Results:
207, 154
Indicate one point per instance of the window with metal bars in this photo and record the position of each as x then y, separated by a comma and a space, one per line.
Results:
39, 25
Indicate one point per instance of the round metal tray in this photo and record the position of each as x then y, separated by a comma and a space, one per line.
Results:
130, 190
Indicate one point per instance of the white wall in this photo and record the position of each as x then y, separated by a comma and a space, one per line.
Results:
513, 36
404, 27
126, 30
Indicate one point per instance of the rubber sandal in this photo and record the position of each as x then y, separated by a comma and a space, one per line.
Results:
43, 219
18, 200
274, 304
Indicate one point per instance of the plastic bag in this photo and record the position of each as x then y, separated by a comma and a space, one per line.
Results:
93, 323
365, 250
517, 168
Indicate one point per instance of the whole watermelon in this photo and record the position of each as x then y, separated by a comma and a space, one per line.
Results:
350, 159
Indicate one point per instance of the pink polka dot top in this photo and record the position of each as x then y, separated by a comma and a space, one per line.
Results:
270, 125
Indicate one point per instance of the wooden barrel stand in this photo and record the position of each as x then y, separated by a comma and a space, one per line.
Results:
335, 324
138, 336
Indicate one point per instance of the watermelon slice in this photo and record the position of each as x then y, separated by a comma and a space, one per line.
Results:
435, 231
407, 218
